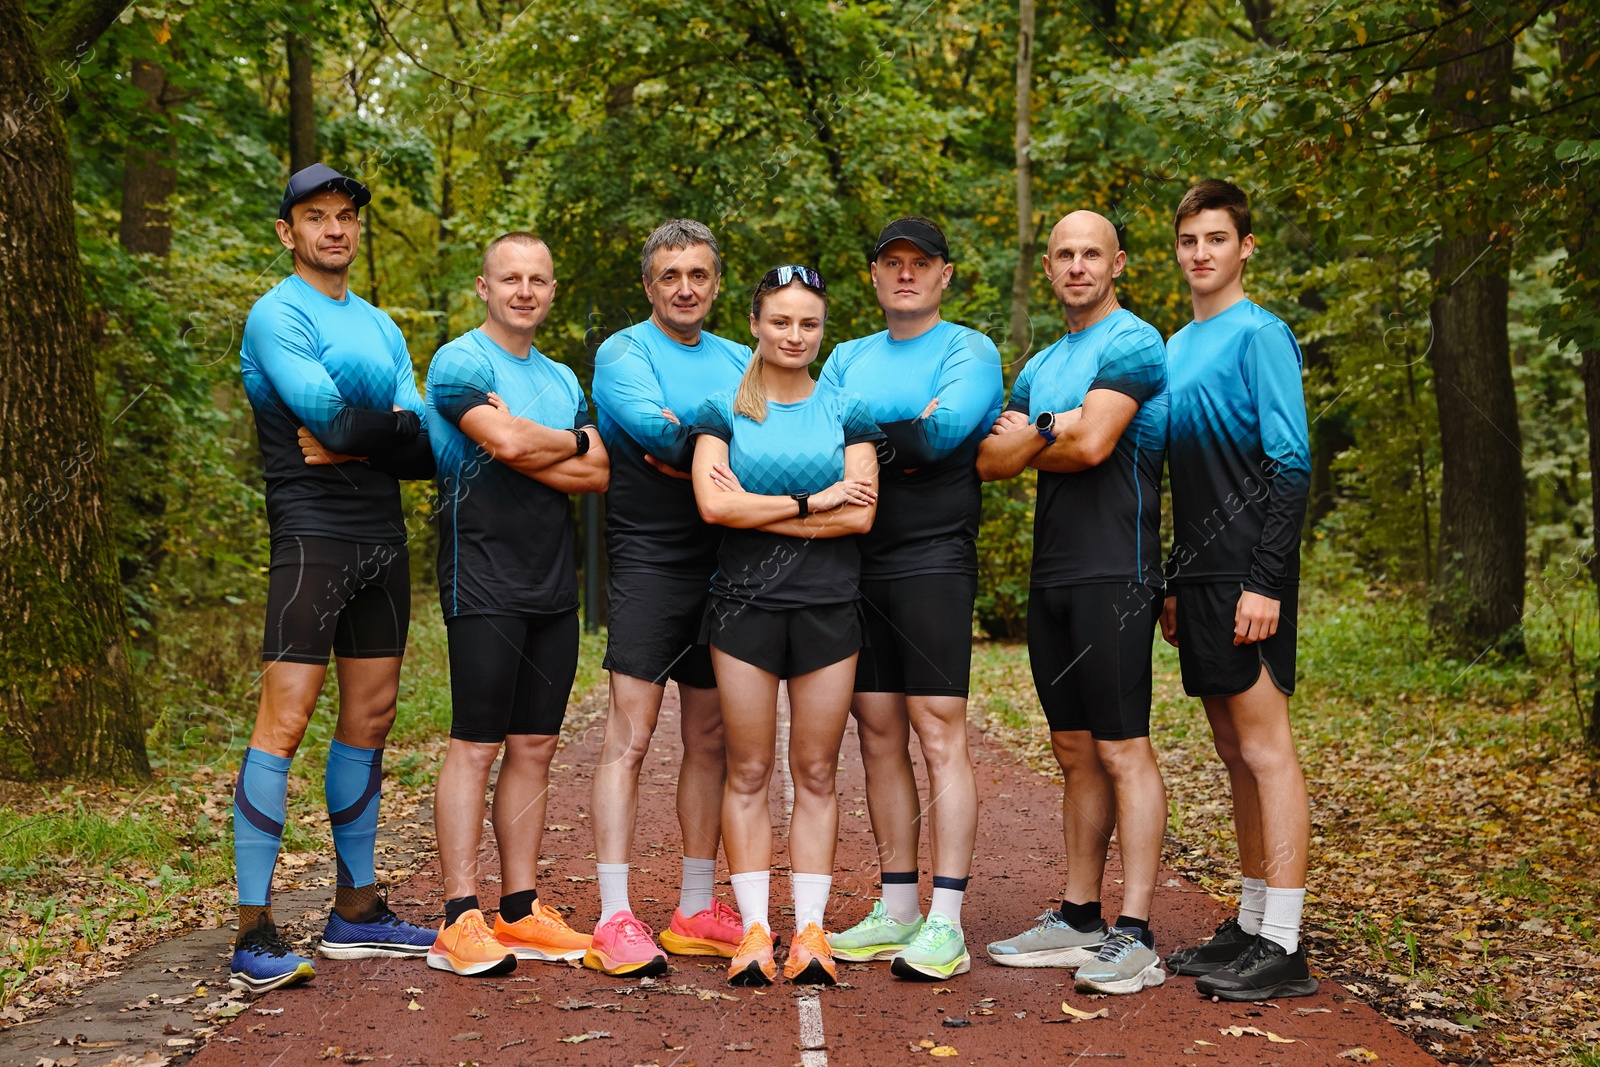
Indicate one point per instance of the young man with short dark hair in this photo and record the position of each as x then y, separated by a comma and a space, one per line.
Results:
1239, 457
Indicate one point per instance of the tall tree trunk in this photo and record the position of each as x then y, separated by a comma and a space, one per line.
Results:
1478, 599
302, 98
67, 702
149, 179
1021, 332
1577, 30
150, 172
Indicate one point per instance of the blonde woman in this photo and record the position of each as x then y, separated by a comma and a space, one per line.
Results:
789, 466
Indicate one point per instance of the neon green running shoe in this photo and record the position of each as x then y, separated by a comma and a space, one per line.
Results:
877, 937
938, 951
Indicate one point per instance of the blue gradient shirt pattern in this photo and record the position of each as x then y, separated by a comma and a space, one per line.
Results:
1102, 524
799, 448
652, 523
1239, 451
338, 368
929, 492
505, 540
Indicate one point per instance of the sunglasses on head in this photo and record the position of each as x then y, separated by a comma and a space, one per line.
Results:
778, 277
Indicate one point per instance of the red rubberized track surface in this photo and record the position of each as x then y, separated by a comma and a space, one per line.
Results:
359, 1009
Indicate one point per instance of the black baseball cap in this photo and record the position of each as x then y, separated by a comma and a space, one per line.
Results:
317, 178
925, 235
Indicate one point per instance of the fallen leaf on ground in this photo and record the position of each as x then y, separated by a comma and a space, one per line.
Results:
943, 1050
1083, 1016
574, 1004
413, 1006
743, 1046
470, 1035
1359, 1054
576, 1039
1240, 1031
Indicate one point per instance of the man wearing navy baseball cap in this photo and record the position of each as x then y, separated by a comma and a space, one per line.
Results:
339, 422
934, 389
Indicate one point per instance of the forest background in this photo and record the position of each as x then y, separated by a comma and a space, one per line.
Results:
1425, 177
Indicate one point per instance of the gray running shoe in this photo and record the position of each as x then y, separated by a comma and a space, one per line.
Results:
1054, 942
1124, 964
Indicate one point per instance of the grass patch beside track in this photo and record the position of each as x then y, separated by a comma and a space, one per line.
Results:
90, 874
1456, 830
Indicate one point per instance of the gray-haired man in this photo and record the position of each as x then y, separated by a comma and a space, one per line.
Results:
649, 381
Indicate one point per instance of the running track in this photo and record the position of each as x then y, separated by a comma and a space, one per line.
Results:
362, 1011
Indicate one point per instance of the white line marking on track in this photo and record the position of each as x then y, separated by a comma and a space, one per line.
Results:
813, 1038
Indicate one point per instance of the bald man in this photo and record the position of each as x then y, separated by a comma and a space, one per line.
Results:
513, 440
1089, 413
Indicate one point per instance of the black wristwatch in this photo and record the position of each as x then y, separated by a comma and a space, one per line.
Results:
1046, 425
583, 443
804, 500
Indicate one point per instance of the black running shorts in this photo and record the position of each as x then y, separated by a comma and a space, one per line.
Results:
510, 674
789, 642
918, 635
1089, 646
1213, 666
325, 595
653, 628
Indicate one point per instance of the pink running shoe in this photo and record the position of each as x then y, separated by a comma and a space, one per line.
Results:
716, 931
625, 946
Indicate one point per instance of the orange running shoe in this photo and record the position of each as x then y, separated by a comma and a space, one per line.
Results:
624, 945
810, 959
753, 963
467, 947
542, 935
716, 931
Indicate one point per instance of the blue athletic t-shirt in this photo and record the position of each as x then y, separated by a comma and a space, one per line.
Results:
799, 448
1102, 524
505, 540
338, 368
1239, 451
651, 520
929, 491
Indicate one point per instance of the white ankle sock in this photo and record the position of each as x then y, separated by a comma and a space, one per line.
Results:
1252, 901
613, 879
901, 901
810, 898
751, 892
694, 894
947, 902
1281, 921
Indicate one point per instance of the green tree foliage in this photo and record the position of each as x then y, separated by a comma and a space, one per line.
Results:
796, 131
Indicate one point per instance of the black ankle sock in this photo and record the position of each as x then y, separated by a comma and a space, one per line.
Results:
454, 909
1128, 920
1081, 915
514, 907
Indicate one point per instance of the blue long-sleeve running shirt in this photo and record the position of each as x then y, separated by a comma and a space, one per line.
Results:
338, 368
1239, 451
799, 448
929, 491
505, 540
652, 523
1102, 524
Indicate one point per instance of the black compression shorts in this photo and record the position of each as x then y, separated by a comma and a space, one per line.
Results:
918, 635
1213, 666
789, 642
653, 628
324, 595
1089, 646
510, 674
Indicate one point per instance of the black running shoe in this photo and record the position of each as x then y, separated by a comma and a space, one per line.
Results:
1223, 948
1264, 971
